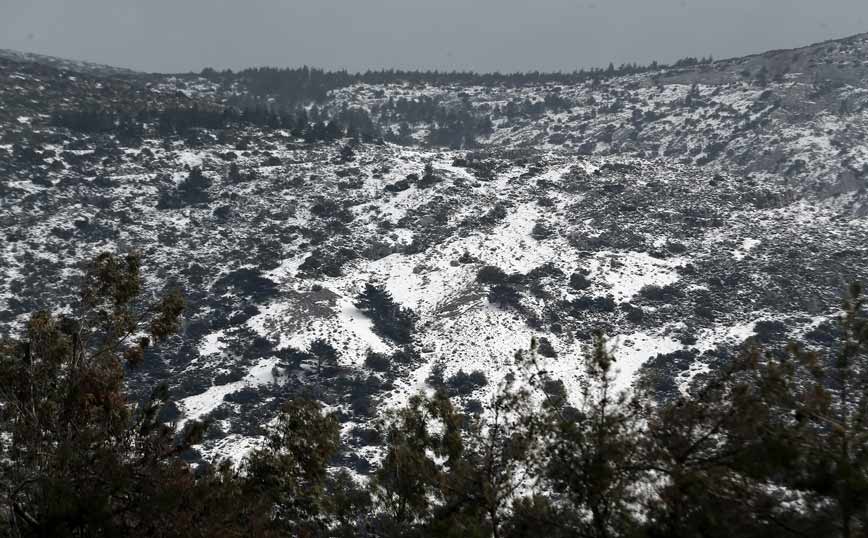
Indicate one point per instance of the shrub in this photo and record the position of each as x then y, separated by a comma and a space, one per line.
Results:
633, 313
362, 405
593, 304
405, 355
546, 349
490, 274
462, 383
329, 209
243, 396
325, 263
578, 281
704, 311
546, 270
398, 186
234, 175
222, 212
504, 296
223, 378
347, 154
473, 407
676, 248
437, 378
555, 391
192, 190
365, 436
825, 333
429, 179
292, 358
495, 214
661, 294
769, 330
541, 231
377, 362
246, 282
325, 354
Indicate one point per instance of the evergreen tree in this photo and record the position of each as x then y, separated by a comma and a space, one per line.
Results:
325, 354
775, 443
290, 471
593, 461
390, 319
406, 485
78, 459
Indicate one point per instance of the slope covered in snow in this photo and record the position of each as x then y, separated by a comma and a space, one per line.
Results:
668, 210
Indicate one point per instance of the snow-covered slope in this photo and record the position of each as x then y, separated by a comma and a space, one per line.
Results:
528, 235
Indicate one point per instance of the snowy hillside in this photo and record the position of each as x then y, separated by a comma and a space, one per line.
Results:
680, 212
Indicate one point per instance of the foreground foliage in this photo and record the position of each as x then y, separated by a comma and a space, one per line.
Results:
772, 445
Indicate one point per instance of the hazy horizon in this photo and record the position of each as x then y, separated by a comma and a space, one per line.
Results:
487, 36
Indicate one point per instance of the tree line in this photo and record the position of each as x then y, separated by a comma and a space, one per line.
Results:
774, 443
451, 128
306, 84
130, 126
457, 126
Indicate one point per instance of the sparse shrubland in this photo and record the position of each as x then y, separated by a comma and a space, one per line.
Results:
269, 197
771, 444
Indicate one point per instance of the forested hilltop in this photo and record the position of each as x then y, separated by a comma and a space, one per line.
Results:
295, 302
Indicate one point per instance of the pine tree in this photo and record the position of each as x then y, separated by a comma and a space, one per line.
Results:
406, 485
325, 354
80, 460
291, 469
774, 443
592, 461
495, 466
699, 445
815, 439
390, 319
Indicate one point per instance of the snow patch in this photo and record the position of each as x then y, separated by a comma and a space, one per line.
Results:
624, 274
632, 351
194, 407
746, 246
212, 344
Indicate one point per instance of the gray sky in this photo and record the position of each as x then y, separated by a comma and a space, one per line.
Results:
482, 35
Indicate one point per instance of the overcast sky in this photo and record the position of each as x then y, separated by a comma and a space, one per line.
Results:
482, 35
